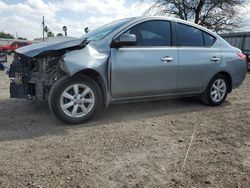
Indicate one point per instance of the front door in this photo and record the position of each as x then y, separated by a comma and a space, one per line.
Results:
148, 68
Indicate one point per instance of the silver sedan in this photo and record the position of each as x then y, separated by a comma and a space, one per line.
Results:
134, 59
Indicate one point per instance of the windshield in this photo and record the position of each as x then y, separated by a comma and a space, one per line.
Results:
101, 32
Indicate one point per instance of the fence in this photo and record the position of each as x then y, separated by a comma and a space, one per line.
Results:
239, 40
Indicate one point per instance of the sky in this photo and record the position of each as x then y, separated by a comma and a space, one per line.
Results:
24, 17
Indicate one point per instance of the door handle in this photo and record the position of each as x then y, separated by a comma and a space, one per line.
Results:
215, 59
167, 59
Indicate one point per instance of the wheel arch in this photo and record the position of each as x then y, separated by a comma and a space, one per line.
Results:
96, 76
229, 79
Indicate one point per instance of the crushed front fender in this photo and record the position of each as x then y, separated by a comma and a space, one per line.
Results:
86, 58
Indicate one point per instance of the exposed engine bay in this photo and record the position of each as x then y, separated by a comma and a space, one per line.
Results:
37, 67
32, 78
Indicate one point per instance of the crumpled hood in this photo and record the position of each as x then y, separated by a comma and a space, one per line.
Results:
37, 49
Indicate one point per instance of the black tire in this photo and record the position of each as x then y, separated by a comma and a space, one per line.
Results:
60, 86
206, 97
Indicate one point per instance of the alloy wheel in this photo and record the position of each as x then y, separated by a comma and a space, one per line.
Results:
77, 100
218, 90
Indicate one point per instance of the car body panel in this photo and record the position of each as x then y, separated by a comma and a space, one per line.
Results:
37, 49
86, 58
237, 68
196, 67
134, 71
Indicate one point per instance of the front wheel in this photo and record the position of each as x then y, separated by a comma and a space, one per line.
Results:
216, 92
75, 100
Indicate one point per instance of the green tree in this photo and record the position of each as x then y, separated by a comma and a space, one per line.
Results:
50, 34
218, 15
6, 35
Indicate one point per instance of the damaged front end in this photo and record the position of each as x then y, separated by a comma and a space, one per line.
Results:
32, 78
37, 67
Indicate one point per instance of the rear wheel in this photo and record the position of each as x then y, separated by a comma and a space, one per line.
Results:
216, 92
75, 100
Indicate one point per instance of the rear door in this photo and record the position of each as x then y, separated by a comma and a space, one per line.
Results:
199, 58
148, 68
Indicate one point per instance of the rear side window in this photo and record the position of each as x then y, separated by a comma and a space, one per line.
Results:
191, 36
208, 39
152, 33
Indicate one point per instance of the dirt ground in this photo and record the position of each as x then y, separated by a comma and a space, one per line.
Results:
133, 145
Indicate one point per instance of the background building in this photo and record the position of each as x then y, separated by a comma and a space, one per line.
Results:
239, 40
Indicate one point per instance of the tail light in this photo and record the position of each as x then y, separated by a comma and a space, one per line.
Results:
242, 56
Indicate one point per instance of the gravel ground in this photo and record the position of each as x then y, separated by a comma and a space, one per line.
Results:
133, 145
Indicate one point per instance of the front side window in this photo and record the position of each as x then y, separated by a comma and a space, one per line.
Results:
191, 36
152, 33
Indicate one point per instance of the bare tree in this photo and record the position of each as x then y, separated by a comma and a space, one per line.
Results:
218, 15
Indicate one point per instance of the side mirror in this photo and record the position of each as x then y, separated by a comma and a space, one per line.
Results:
125, 40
